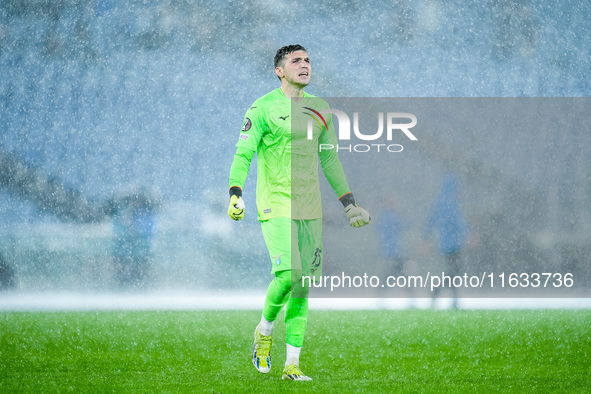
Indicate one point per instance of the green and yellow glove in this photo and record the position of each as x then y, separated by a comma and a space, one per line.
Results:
358, 217
236, 210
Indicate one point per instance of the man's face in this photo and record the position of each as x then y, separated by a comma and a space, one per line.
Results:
296, 69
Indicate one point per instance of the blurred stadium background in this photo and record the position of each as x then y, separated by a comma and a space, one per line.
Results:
106, 103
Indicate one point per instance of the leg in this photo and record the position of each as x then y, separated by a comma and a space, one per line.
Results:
453, 265
277, 234
296, 313
277, 295
286, 288
309, 246
308, 257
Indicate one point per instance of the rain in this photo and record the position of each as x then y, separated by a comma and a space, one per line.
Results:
119, 120
468, 145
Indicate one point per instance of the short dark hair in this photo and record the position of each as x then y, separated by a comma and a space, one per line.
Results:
286, 50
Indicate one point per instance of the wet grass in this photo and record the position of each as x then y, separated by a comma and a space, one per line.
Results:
352, 351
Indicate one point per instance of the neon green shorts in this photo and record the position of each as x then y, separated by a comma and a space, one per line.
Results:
294, 244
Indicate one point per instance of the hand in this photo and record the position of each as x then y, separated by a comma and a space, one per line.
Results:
236, 208
358, 217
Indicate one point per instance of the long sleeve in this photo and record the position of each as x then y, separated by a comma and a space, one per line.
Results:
330, 163
240, 166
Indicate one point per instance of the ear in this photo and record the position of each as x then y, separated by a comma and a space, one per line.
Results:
279, 71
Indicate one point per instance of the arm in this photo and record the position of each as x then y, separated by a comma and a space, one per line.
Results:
330, 163
245, 149
239, 170
335, 174
238, 173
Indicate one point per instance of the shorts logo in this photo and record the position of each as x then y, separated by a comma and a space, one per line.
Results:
247, 125
244, 136
277, 259
317, 260
268, 210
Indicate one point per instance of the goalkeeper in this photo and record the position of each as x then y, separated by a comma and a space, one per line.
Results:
288, 198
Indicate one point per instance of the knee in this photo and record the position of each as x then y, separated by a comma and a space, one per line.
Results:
292, 281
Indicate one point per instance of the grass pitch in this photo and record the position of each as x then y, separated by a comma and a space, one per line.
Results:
351, 351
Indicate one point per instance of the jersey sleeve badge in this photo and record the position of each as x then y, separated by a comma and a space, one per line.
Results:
247, 124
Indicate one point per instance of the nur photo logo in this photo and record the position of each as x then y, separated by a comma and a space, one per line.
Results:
395, 122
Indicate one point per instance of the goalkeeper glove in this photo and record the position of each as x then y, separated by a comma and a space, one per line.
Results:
358, 217
236, 208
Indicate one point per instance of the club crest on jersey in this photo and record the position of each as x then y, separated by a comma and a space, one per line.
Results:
278, 259
247, 125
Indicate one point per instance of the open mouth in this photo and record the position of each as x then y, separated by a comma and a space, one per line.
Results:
303, 74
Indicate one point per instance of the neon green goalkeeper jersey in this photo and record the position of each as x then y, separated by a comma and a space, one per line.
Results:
286, 137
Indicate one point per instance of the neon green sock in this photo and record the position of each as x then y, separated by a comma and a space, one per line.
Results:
279, 293
296, 321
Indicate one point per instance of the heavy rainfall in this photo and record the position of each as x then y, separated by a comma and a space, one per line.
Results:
119, 120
